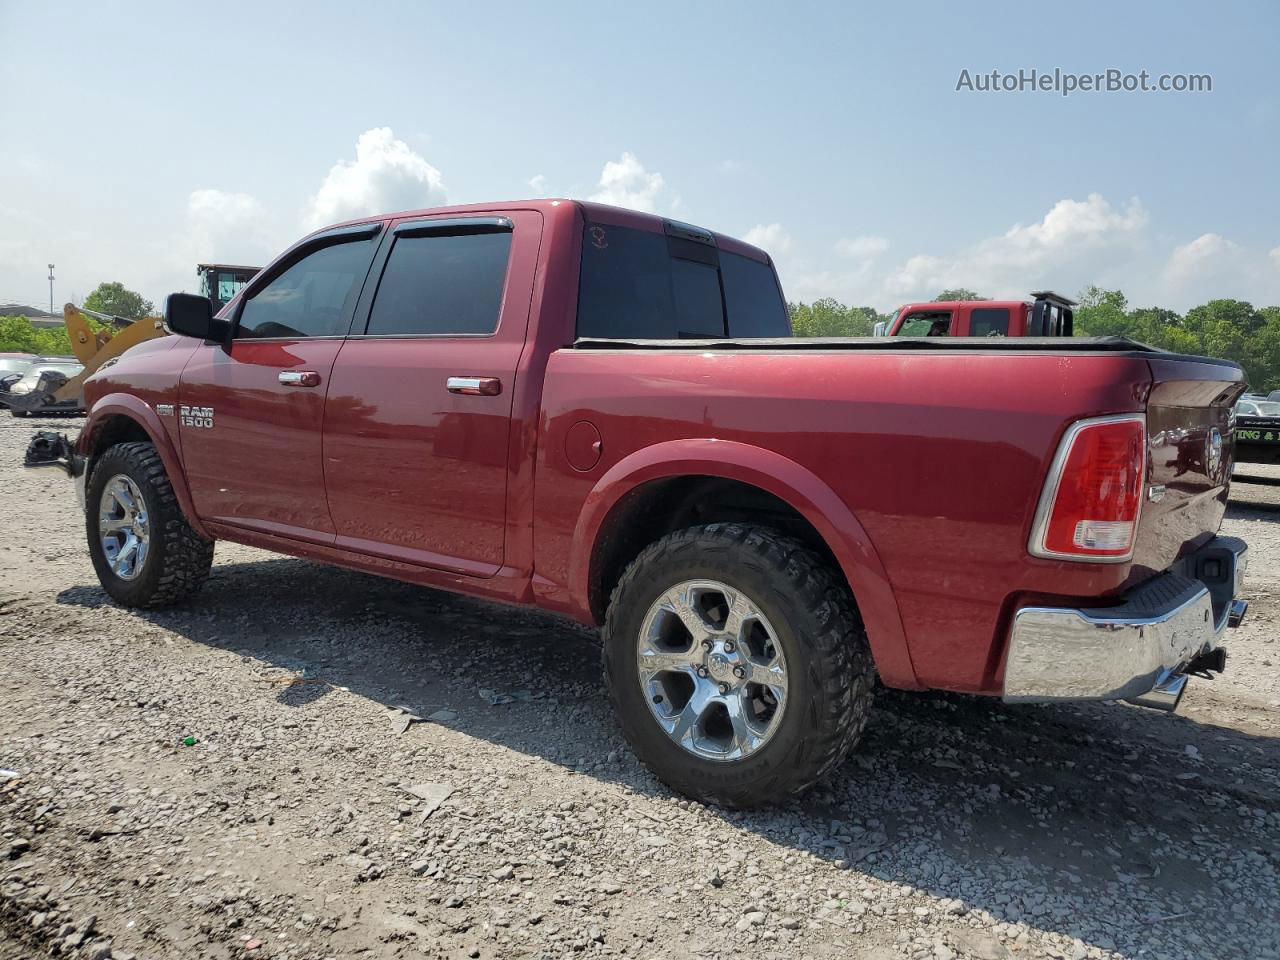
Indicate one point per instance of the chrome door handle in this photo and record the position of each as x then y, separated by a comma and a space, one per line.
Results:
475, 386
300, 378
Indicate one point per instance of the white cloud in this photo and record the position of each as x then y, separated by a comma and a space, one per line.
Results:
1275, 256
1074, 234
218, 226
218, 222
772, 238
862, 248
1197, 257
626, 183
386, 176
538, 184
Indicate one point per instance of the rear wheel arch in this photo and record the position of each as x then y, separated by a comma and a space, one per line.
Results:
680, 484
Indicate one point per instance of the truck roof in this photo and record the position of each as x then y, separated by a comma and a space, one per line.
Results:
595, 212
956, 304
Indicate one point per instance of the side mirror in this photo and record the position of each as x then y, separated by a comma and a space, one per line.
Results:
881, 329
192, 316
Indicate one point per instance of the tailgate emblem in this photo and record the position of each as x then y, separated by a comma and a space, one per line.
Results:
1213, 454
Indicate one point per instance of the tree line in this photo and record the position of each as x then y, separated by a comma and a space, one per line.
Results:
1227, 329
19, 335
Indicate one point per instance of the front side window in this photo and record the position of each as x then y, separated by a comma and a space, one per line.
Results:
650, 286
311, 298
930, 324
441, 284
989, 322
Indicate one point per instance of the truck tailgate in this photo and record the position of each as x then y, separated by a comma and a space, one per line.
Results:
1191, 450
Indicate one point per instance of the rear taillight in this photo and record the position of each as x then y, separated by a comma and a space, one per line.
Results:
1093, 495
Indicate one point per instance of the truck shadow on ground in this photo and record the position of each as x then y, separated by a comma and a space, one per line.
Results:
1108, 823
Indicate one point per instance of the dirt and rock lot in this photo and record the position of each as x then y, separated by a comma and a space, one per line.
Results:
245, 777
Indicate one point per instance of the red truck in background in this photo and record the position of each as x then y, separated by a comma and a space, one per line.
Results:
601, 413
1048, 315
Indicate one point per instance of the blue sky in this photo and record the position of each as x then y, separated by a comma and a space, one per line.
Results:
141, 138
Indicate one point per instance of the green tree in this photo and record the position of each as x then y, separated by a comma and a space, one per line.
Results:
959, 293
829, 317
1102, 313
118, 301
17, 335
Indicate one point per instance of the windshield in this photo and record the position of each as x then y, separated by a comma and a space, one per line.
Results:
1258, 408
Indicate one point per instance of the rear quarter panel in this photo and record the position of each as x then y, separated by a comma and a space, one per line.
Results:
938, 457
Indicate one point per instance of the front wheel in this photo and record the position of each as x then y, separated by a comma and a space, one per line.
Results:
143, 550
737, 664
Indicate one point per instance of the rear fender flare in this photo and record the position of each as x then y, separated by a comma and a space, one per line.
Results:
141, 413
796, 485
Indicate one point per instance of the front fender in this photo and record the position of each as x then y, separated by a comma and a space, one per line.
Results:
796, 485
141, 413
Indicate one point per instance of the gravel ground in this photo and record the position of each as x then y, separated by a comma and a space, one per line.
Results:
237, 778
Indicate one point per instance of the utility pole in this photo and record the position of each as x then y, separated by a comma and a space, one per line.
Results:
51, 288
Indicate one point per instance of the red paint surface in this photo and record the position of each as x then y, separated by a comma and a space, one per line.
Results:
920, 469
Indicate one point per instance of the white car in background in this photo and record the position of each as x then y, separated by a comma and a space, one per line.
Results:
53, 371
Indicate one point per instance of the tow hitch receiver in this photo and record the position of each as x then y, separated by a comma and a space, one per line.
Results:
1207, 664
49, 449
1167, 694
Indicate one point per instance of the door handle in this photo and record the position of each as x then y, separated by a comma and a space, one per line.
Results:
475, 386
300, 378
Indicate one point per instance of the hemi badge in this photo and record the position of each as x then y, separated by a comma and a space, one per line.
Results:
164, 409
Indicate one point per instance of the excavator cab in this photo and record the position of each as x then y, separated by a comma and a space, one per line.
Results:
222, 281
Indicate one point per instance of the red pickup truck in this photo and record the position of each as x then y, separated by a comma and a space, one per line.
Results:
1048, 315
601, 413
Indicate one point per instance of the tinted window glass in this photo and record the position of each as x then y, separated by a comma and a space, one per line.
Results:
442, 284
641, 285
989, 322
625, 288
312, 298
754, 302
695, 290
925, 325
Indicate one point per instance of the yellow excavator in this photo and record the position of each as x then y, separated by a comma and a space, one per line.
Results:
56, 393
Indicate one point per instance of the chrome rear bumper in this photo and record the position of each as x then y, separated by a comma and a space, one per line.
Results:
1139, 650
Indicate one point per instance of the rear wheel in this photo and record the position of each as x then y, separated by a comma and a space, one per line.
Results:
143, 550
737, 664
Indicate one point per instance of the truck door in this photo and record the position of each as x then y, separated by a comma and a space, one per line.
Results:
418, 416
251, 410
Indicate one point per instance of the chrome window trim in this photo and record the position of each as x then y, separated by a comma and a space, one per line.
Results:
1035, 544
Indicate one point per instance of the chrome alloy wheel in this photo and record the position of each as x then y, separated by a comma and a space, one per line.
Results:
122, 527
712, 670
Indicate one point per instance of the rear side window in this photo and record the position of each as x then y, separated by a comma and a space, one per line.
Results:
649, 286
442, 284
989, 322
312, 298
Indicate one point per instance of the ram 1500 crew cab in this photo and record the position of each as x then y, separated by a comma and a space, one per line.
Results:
601, 413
